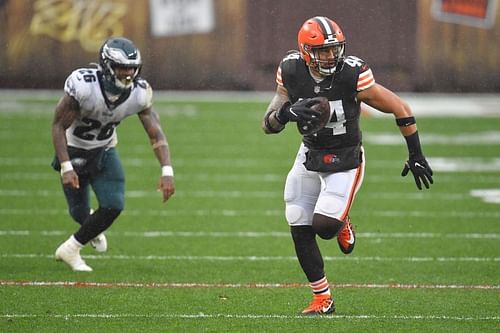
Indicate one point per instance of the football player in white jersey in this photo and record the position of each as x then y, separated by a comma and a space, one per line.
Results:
329, 167
95, 101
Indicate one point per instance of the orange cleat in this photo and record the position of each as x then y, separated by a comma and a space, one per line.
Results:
320, 305
346, 237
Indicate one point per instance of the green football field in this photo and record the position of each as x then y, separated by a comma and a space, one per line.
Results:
218, 256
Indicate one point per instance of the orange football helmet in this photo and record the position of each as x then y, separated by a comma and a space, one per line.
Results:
321, 44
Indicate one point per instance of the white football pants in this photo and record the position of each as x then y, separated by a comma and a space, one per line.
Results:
309, 192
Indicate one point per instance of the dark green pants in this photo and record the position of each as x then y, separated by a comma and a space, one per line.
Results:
108, 184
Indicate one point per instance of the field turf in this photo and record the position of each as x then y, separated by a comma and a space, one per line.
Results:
218, 256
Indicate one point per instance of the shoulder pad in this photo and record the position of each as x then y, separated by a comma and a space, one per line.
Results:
358, 64
289, 63
145, 93
291, 55
79, 83
363, 72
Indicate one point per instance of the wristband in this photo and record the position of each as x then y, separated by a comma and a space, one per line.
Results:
405, 122
167, 171
65, 167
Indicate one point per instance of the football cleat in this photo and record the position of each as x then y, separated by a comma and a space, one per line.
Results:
320, 305
99, 243
347, 237
69, 252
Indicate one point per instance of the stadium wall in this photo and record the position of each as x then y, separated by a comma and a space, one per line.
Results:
408, 48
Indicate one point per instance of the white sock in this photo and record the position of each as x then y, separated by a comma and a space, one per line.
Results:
74, 242
320, 287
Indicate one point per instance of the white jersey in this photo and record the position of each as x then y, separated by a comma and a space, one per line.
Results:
95, 127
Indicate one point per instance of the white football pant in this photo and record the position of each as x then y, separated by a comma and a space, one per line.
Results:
309, 192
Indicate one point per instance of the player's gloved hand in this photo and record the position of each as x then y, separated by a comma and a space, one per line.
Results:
420, 169
300, 110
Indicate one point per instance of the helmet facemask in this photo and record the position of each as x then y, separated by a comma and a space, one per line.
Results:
326, 58
122, 82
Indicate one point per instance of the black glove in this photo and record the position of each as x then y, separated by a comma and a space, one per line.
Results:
420, 169
300, 110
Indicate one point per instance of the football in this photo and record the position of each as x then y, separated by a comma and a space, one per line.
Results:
309, 127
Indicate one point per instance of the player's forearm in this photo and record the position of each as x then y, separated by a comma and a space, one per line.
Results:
162, 153
270, 123
160, 147
59, 142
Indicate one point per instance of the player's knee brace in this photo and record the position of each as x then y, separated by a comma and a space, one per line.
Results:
326, 227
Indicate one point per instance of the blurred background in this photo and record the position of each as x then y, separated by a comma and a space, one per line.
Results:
450, 46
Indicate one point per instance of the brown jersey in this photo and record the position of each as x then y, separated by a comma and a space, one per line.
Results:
351, 77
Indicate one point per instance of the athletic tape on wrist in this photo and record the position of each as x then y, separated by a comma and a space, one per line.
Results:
66, 166
167, 171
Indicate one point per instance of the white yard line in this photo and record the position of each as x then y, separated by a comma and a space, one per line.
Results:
490, 195
244, 316
258, 258
442, 164
49, 175
278, 193
209, 194
422, 104
256, 285
252, 234
445, 215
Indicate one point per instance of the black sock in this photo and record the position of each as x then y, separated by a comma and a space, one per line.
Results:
96, 223
308, 252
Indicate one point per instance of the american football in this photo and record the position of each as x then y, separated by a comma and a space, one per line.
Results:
309, 127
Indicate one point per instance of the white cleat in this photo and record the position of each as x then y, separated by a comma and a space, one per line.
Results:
69, 252
99, 243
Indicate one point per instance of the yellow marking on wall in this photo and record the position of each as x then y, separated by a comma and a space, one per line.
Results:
88, 22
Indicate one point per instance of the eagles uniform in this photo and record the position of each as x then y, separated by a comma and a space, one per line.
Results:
96, 100
340, 140
91, 138
98, 116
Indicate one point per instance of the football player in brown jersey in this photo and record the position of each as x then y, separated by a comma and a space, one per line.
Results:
329, 167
